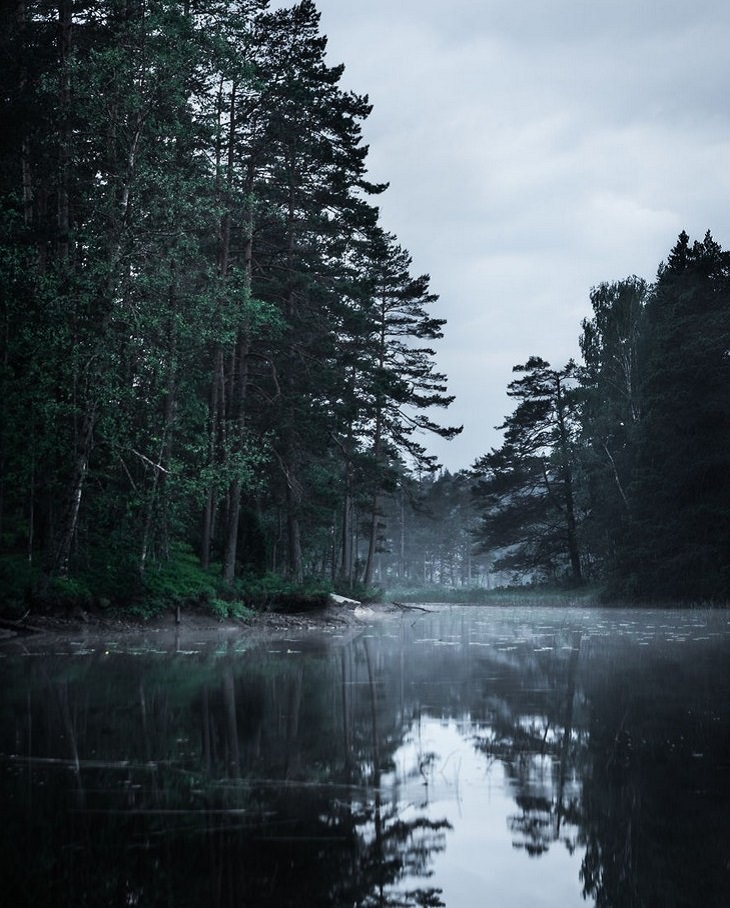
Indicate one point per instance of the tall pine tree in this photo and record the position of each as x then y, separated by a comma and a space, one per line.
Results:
678, 544
526, 489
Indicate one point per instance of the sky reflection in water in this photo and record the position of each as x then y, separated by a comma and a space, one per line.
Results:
476, 798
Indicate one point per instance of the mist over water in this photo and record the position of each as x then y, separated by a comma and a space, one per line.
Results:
539, 756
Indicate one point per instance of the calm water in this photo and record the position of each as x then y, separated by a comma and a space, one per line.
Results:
467, 757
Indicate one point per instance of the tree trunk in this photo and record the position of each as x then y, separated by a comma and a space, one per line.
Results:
214, 430
295, 565
65, 21
345, 567
570, 521
375, 499
58, 564
239, 383
167, 426
231, 545
238, 378
367, 574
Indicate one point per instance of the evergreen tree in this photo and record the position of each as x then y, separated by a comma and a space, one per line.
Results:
610, 411
525, 489
189, 324
316, 196
396, 381
678, 544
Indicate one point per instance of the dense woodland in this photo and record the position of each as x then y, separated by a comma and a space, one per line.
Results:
217, 367
212, 351
618, 468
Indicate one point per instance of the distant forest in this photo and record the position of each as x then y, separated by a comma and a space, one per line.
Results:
217, 373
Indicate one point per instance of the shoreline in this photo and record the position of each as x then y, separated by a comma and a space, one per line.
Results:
328, 618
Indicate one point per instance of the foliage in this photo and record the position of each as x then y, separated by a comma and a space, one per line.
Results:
526, 488
610, 391
184, 293
213, 353
233, 609
17, 578
678, 542
179, 578
644, 457
273, 592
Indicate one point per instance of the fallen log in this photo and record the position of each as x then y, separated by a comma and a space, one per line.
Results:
20, 627
342, 600
410, 608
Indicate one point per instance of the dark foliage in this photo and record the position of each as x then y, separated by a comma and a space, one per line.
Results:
639, 456
195, 350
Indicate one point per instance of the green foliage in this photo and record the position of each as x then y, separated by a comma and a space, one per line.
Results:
526, 489
68, 592
678, 538
611, 408
17, 579
274, 592
190, 274
179, 579
645, 455
230, 609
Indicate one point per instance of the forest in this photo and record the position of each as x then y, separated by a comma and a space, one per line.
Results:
616, 469
217, 366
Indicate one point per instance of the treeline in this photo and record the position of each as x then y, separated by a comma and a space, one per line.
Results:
425, 538
211, 348
618, 468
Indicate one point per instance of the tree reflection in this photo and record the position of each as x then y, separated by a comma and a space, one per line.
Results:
213, 781
657, 801
535, 740
625, 754
230, 779
395, 849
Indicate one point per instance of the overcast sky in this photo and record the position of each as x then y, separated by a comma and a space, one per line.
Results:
534, 149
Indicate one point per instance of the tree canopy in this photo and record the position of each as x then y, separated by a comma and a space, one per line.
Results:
213, 354
641, 449
209, 344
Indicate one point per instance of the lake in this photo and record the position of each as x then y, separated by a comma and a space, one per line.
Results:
465, 756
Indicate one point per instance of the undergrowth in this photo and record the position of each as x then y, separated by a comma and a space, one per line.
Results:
115, 586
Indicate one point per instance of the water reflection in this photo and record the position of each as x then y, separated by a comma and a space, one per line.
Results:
536, 756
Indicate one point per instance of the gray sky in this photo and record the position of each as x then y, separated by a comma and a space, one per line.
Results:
534, 149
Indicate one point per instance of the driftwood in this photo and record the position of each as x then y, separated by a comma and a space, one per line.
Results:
343, 600
19, 626
409, 608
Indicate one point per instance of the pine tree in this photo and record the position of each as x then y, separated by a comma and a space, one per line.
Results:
398, 385
526, 488
316, 197
678, 545
610, 411
190, 325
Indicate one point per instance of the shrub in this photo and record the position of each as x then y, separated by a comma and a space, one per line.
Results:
179, 579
